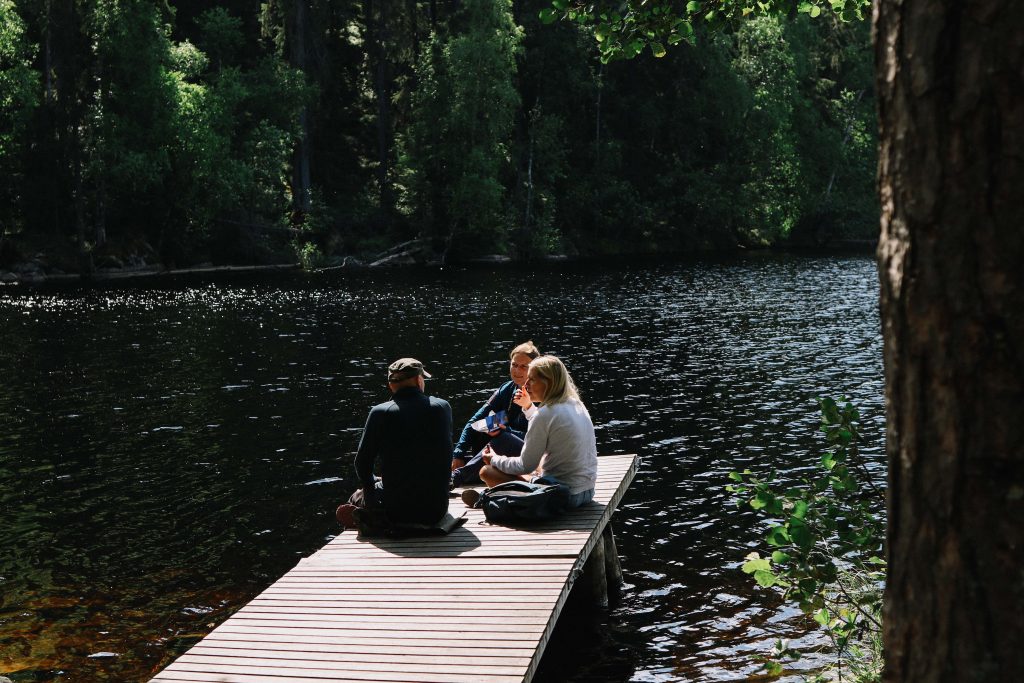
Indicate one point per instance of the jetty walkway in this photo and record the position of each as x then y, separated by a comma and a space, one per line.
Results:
477, 605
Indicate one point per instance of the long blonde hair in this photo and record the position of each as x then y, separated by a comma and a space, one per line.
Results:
560, 385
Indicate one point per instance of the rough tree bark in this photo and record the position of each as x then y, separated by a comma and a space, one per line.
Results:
950, 81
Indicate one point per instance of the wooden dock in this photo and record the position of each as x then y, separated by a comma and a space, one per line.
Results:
477, 605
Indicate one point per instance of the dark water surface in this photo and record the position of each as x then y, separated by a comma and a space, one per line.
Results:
166, 453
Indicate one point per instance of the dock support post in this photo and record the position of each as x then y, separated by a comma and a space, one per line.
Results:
613, 570
594, 577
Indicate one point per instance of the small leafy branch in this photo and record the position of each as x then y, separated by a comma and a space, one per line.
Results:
827, 534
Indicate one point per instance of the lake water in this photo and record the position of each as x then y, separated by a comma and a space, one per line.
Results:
168, 451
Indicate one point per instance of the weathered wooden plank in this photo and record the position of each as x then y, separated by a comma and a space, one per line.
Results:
268, 638
397, 624
258, 660
456, 548
494, 537
535, 545
225, 673
394, 563
322, 564
465, 609
393, 609
493, 577
449, 543
342, 653
354, 671
509, 552
340, 572
484, 606
477, 591
404, 616
410, 594
353, 637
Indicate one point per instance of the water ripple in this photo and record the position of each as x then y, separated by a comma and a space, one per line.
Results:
166, 453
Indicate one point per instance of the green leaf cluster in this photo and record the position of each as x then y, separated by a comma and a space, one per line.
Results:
623, 29
826, 535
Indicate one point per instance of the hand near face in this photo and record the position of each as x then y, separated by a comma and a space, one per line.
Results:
522, 398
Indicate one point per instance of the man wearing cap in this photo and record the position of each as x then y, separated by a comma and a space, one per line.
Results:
411, 437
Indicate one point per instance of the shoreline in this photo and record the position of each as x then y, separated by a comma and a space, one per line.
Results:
10, 278
34, 277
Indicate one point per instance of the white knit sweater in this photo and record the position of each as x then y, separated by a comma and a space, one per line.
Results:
562, 442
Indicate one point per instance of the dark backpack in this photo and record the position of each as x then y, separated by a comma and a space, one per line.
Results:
518, 502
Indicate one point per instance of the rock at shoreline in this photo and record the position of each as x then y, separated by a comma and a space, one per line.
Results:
109, 262
491, 259
28, 268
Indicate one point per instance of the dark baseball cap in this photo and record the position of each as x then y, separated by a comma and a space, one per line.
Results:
404, 368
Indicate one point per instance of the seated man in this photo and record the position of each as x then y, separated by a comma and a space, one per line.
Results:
411, 437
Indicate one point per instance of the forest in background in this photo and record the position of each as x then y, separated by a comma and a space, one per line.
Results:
180, 132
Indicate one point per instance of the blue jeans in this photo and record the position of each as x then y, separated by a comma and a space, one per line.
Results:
575, 499
502, 444
581, 498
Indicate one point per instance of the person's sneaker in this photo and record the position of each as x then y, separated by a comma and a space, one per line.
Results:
470, 497
346, 515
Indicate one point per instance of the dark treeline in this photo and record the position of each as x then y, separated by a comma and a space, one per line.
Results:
179, 132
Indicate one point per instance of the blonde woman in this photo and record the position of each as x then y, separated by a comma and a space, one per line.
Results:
560, 443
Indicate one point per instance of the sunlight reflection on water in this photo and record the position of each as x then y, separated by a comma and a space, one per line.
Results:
165, 453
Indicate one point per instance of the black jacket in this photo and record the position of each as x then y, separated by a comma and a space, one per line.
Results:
411, 436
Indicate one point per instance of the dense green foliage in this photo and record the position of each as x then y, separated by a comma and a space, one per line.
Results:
826, 535
19, 96
185, 132
624, 28
461, 125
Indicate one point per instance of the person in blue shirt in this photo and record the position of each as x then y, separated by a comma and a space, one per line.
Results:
508, 440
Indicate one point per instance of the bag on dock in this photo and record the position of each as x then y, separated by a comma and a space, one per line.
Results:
519, 501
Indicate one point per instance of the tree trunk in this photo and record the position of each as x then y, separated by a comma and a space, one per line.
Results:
950, 81
65, 109
851, 119
100, 218
297, 49
84, 255
414, 27
597, 116
377, 25
529, 189
302, 180
48, 59
530, 118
